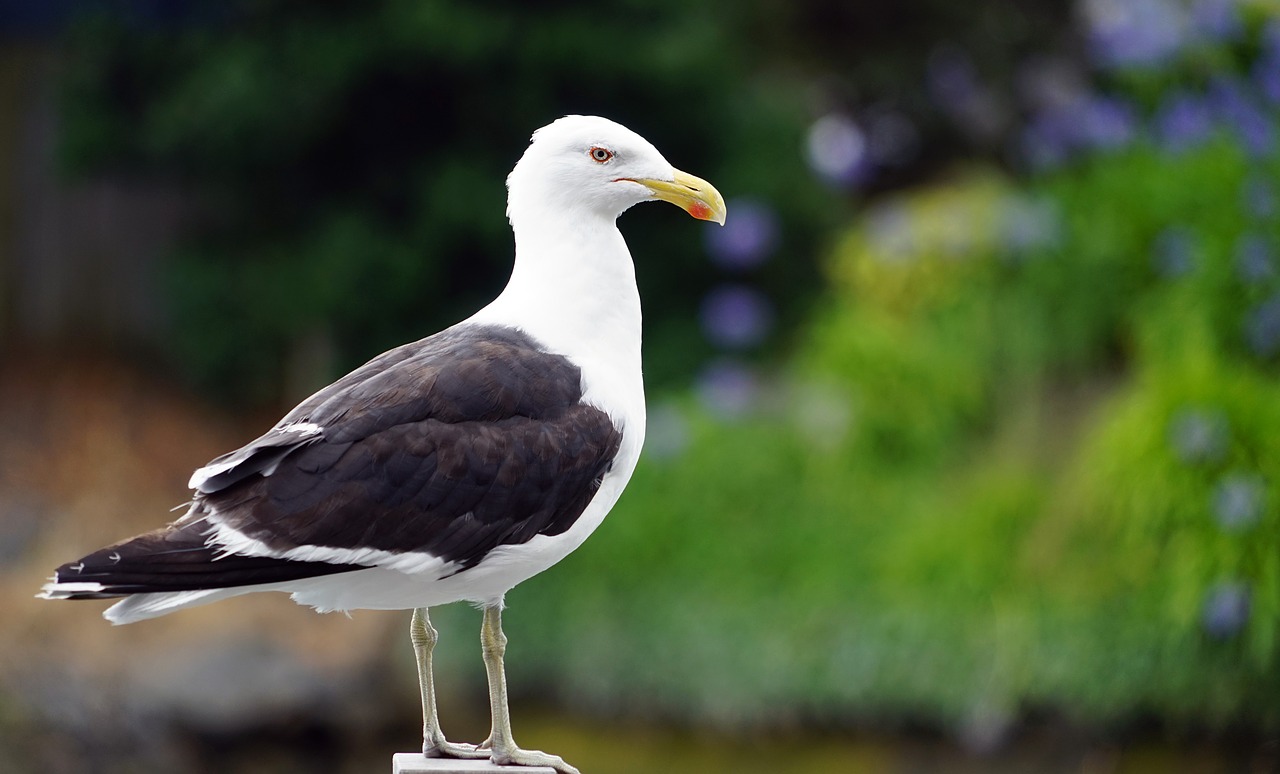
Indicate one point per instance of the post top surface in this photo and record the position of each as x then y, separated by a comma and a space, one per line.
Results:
417, 763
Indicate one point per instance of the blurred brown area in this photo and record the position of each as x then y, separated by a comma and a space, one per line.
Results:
90, 451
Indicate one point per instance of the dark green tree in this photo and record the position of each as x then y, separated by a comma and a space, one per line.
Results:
350, 160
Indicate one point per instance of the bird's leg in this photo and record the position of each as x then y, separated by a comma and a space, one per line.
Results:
434, 745
504, 751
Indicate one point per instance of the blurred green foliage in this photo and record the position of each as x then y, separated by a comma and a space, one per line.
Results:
1021, 462
351, 157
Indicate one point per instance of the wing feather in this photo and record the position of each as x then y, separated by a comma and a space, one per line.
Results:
451, 446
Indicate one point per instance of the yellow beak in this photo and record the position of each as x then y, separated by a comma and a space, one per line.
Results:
691, 194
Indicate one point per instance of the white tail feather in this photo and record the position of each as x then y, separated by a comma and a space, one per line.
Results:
140, 607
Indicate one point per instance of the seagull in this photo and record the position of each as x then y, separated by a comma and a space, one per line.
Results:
451, 468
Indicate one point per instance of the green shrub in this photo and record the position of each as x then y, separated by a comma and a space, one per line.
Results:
350, 160
1047, 482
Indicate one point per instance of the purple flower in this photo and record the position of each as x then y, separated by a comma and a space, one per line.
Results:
836, 149
1266, 67
728, 388
1234, 107
955, 85
1230, 97
952, 79
736, 316
1045, 82
1271, 38
1216, 20
1029, 223
1199, 435
667, 435
1134, 33
1253, 259
1262, 328
1266, 76
1256, 133
1106, 122
1090, 123
1046, 140
1183, 121
1237, 501
1225, 610
892, 139
747, 239
1173, 254
1259, 197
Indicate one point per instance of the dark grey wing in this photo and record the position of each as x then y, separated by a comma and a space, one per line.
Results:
261, 455
463, 442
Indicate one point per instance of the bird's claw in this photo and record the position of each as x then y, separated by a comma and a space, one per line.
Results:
514, 756
441, 748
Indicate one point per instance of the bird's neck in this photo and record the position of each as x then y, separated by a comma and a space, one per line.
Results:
573, 288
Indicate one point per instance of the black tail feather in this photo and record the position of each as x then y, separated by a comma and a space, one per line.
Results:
176, 558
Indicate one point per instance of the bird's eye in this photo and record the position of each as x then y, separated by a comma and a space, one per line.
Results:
600, 154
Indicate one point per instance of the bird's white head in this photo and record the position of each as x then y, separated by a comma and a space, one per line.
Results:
593, 165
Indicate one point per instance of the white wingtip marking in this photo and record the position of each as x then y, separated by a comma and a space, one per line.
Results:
228, 541
202, 475
56, 590
304, 428
207, 472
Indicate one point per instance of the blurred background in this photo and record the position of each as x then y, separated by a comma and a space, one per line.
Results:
964, 431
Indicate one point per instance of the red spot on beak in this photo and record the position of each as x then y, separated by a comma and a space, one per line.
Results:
699, 210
